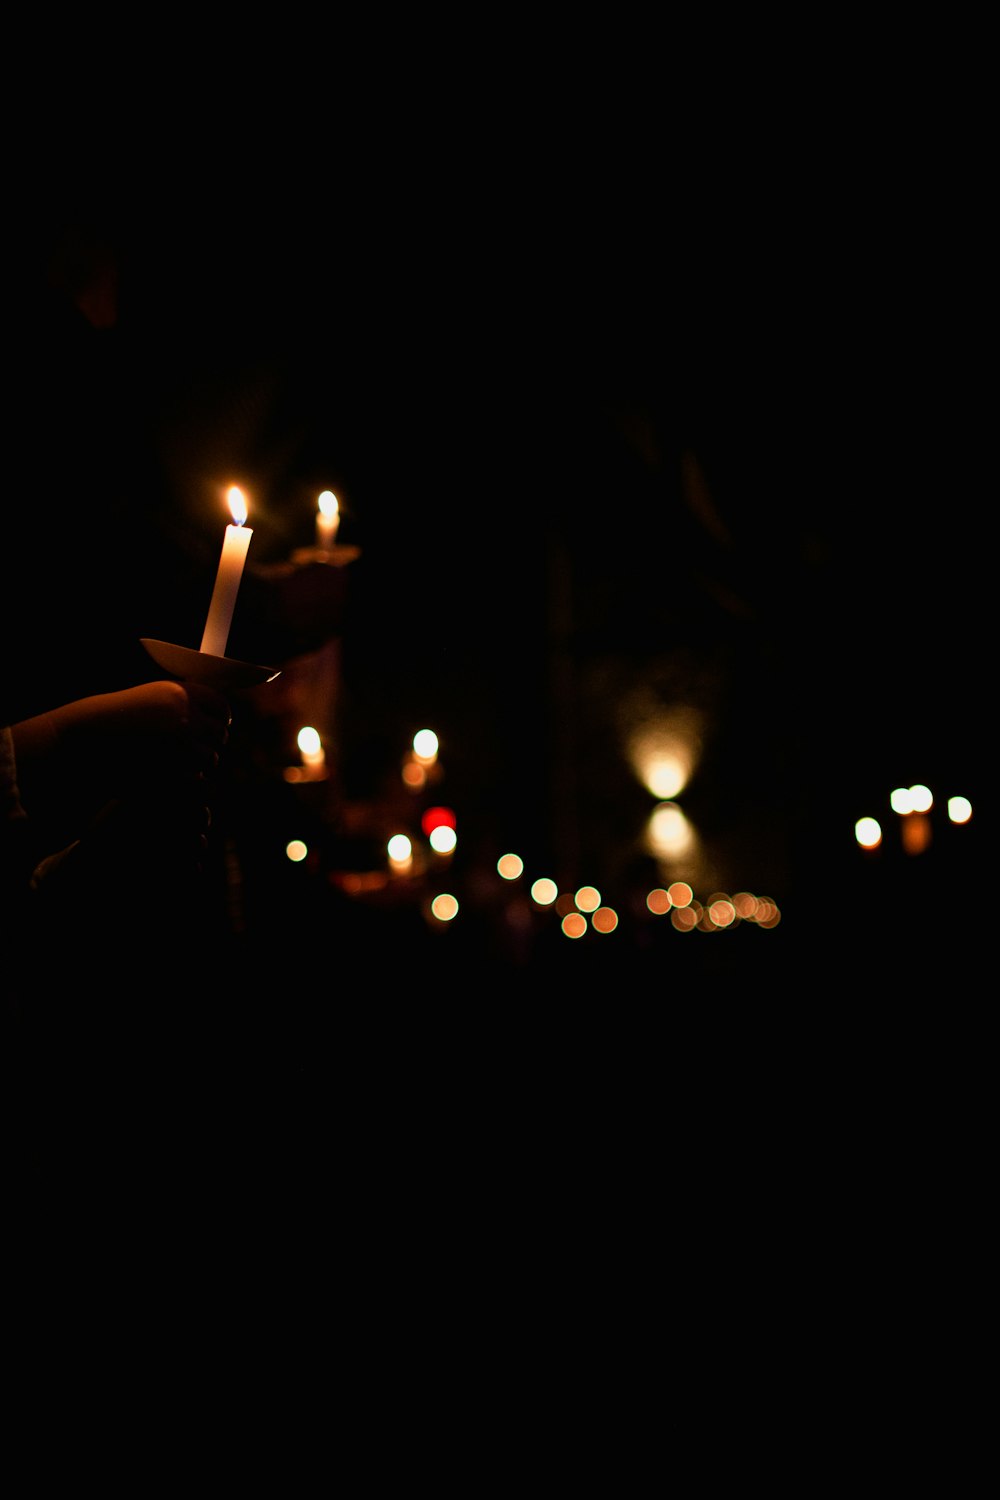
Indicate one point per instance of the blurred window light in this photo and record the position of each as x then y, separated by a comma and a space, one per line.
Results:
510, 866
444, 907
588, 898
296, 850
574, 924
659, 902
668, 832
921, 799
959, 809
544, 891
868, 833
442, 839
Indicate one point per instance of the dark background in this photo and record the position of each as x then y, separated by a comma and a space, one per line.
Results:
616, 401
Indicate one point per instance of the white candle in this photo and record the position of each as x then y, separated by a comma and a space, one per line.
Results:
227, 580
327, 520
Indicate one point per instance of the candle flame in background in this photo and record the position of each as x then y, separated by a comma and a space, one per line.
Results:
400, 849
915, 799
868, 832
442, 839
237, 505
329, 505
425, 746
310, 744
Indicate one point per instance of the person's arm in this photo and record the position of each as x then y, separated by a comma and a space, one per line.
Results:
158, 727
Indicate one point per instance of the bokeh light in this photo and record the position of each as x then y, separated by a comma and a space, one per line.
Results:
400, 849
574, 924
868, 832
510, 866
658, 901
959, 809
296, 850
443, 839
544, 891
680, 893
438, 817
425, 745
664, 749
587, 898
309, 742
605, 919
921, 799
445, 907
669, 833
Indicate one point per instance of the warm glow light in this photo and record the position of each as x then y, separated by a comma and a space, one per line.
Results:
308, 742
659, 902
574, 924
669, 833
425, 745
959, 809
664, 750
414, 775
510, 866
680, 893
296, 850
444, 907
399, 848
901, 801
722, 911
916, 833
605, 919
235, 544
745, 905
684, 918
544, 891
868, 833
237, 505
442, 839
587, 898
921, 799
327, 521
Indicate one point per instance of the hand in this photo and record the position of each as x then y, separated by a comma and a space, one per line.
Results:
158, 728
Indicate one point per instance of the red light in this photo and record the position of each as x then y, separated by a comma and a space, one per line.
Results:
437, 817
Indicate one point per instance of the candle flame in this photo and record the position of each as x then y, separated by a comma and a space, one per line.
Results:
329, 504
237, 505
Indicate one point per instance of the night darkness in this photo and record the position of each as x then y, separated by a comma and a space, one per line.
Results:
647, 399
